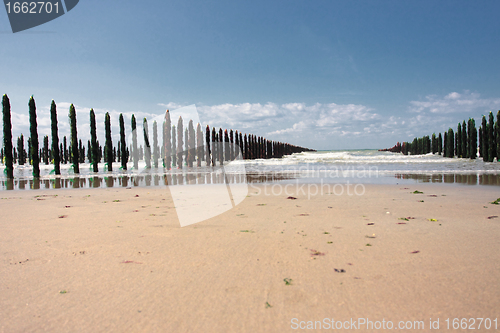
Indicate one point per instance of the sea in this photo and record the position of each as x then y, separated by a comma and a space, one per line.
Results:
365, 166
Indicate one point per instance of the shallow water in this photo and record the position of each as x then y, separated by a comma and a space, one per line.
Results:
348, 166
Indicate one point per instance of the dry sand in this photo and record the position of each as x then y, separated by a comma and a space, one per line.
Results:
116, 260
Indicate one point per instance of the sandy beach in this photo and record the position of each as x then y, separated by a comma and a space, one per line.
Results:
117, 260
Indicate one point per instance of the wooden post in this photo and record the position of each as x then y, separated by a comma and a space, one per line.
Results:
207, 151
180, 133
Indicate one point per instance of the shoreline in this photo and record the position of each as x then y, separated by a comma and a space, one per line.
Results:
117, 259
159, 180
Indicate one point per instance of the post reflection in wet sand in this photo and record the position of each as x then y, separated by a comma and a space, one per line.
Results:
450, 178
199, 178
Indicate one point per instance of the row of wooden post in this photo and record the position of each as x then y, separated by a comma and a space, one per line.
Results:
216, 147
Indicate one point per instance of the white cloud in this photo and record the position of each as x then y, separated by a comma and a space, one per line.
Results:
452, 95
454, 102
171, 105
316, 125
319, 126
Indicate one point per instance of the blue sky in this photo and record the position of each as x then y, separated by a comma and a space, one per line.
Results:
322, 74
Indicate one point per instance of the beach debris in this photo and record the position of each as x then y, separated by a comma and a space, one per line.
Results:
67, 206
268, 305
339, 270
137, 195
387, 213
414, 252
326, 233
371, 223
492, 217
63, 291
247, 231
316, 253
432, 220
240, 214
404, 219
261, 204
288, 281
420, 200
130, 262
135, 210
22, 262
372, 236
330, 207
496, 202
292, 198
401, 222
116, 200
350, 264
329, 242
432, 195
417, 192
303, 214
368, 244
63, 216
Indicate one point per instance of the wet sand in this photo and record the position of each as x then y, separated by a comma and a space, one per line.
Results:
117, 260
